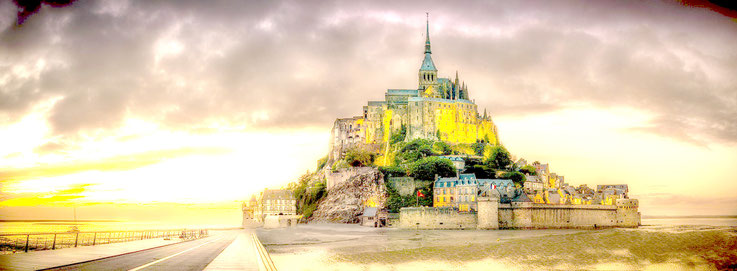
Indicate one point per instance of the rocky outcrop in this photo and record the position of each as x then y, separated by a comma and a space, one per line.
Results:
345, 201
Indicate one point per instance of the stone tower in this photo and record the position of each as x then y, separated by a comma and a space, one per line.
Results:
428, 74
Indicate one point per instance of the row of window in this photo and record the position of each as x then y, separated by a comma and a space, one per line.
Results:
280, 201
461, 198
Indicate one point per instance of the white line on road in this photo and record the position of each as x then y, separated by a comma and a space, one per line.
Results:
170, 256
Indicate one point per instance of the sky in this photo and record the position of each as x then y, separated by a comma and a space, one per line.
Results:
146, 110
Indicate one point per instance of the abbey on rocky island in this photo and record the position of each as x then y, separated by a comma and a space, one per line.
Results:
438, 109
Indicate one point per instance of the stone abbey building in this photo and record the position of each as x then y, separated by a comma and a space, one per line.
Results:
438, 109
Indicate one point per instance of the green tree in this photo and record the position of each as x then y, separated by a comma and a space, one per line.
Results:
393, 171
321, 163
414, 150
481, 171
398, 136
441, 148
478, 148
359, 157
499, 158
307, 194
529, 170
516, 177
395, 201
426, 168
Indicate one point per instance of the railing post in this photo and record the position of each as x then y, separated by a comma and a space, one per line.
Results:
53, 245
76, 239
28, 236
94, 239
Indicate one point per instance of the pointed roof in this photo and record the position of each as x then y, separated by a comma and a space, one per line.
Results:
427, 35
427, 64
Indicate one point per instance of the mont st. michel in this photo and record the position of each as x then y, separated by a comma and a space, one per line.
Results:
425, 158
368, 135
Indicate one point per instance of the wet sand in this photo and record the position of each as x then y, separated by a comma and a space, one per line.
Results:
352, 247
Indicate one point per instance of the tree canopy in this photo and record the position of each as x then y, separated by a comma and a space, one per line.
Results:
307, 194
359, 157
499, 158
516, 177
426, 168
413, 151
529, 170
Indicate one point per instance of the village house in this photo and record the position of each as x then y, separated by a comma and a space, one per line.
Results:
532, 184
461, 192
374, 217
277, 202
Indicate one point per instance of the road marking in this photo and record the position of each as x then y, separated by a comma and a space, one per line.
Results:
170, 256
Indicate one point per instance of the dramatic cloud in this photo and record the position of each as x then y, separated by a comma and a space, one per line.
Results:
188, 64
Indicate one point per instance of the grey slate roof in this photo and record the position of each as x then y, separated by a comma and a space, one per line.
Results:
522, 197
554, 197
413, 92
427, 64
615, 186
533, 179
277, 194
500, 183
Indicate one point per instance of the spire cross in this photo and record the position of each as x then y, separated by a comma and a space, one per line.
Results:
427, 34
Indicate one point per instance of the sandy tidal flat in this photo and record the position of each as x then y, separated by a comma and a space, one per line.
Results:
352, 247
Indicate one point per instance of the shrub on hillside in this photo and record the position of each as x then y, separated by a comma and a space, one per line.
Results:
529, 170
359, 157
426, 168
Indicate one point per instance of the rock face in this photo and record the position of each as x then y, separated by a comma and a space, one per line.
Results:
345, 201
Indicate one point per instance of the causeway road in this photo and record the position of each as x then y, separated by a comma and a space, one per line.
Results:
191, 255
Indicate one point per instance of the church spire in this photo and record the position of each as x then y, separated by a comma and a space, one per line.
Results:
427, 34
428, 74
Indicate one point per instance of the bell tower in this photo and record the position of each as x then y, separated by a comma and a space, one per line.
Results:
428, 74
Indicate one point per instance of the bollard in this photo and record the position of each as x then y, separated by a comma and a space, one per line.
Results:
28, 236
76, 239
53, 245
94, 239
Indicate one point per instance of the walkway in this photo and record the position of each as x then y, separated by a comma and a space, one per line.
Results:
226, 250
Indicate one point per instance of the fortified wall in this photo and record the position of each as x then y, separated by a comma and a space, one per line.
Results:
523, 215
435, 218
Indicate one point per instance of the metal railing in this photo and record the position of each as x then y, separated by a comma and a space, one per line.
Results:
16, 242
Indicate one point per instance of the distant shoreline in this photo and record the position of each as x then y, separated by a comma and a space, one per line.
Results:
59, 220
688, 216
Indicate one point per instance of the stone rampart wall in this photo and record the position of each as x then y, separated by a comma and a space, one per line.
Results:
525, 215
543, 216
430, 218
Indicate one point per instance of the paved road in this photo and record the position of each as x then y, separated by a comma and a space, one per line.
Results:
193, 255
